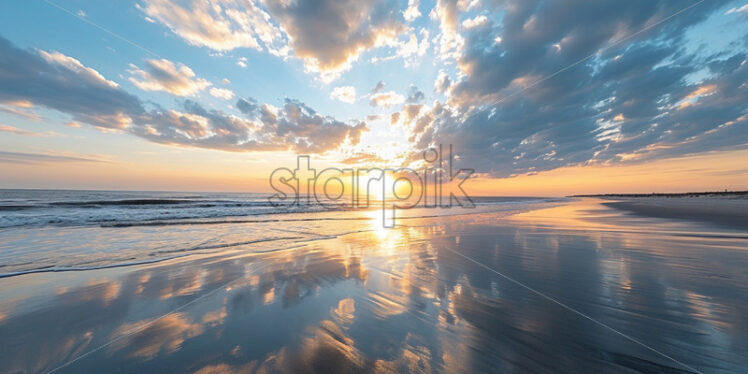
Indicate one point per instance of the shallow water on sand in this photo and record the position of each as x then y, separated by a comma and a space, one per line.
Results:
472, 293
58, 230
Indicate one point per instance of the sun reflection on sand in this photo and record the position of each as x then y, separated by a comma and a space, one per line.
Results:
394, 300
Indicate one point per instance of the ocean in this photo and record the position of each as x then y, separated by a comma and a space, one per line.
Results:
68, 230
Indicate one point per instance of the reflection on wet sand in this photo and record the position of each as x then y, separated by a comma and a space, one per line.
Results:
401, 300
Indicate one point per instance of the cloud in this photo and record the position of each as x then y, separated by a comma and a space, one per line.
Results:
346, 94
386, 99
627, 103
293, 127
20, 108
328, 35
517, 94
411, 13
472, 23
742, 9
241, 62
447, 13
378, 88
407, 114
164, 75
221, 26
409, 49
299, 127
415, 95
20, 104
39, 158
17, 131
442, 83
62, 83
221, 93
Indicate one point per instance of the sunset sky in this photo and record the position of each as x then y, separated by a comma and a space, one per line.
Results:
539, 97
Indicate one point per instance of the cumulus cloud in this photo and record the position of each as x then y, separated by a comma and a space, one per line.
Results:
442, 83
327, 35
407, 114
263, 127
221, 93
330, 34
516, 98
447, 13
220, 26
415, 95
634, 101
300, 127
62, 83
386, 99
409, 48
346, 94
478, 21
164, 75
411, 12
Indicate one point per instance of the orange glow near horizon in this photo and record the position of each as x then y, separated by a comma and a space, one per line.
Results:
221, 172
704, 172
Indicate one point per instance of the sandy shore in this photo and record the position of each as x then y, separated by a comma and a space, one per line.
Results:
564, 289
728, 212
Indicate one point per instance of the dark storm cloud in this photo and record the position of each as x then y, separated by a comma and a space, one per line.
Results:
62, 83
631, 101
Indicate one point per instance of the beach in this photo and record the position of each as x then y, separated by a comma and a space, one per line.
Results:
378, 186
514, 285
728, 211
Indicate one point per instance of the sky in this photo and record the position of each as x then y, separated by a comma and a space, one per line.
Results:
538, 97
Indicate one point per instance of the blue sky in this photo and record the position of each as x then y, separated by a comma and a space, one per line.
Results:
519, 87
266, 78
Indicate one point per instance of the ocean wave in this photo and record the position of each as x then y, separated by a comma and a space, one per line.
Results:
56, 221
22, 208
201, 215
123, 202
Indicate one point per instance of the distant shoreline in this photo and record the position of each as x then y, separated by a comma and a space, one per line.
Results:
683, 194
727, 208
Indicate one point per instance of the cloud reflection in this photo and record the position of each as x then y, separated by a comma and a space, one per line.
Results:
404, 302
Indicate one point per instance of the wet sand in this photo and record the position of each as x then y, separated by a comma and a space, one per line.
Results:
730, 212
578, 287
